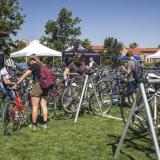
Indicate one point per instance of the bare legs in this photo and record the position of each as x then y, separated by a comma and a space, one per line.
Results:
35, 104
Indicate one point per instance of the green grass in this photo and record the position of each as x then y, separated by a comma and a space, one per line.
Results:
91, 138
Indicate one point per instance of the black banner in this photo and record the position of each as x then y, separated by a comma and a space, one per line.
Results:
1, 59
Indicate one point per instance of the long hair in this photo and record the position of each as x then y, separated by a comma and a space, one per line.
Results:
34, 58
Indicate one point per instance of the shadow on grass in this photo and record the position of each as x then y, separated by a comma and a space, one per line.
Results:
138, 141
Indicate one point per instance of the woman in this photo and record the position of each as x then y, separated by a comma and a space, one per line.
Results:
37, 94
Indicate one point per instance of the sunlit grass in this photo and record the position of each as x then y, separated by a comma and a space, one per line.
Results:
91, 138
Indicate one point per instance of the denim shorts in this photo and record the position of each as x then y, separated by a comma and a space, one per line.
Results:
131, 86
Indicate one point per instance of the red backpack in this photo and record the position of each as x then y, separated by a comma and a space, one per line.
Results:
47, 78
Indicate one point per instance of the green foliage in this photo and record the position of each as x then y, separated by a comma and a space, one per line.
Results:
61, 32
113, 48
146, 64
133, 45
86, 43
18, 45
10, 21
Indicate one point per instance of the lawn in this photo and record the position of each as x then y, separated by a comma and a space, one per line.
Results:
91, 138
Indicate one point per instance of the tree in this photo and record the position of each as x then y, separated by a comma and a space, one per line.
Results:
113, 48
19, 44
133, 45
86, 43
61, 32
10, 21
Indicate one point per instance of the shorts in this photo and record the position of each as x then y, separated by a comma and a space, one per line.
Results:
131, 86
37, 91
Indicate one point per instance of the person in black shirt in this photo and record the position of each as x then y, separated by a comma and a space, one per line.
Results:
77, 66
37, 94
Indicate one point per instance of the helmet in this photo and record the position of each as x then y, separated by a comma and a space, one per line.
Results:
9, 62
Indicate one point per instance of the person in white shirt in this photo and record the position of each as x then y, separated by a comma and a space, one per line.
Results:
5, 78
91, 63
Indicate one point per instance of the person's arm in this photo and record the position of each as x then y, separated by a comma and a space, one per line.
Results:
23, 77
66, 72
6, 81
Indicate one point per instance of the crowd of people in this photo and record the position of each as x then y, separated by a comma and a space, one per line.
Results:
39, 95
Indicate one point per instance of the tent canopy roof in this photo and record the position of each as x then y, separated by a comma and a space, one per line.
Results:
126, 58
38, 49
155, 55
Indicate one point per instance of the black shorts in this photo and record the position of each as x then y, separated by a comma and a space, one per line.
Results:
44, 92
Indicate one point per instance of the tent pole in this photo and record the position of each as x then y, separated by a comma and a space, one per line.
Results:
53, 62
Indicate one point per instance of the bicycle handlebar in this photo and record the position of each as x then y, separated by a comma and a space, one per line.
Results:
153, 80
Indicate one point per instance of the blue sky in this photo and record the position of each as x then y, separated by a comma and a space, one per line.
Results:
127, 20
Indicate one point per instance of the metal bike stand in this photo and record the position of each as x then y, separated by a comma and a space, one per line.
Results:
82, 95
153, 134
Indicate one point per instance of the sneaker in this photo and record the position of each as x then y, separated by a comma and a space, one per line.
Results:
33, 127
45, 126
30, 126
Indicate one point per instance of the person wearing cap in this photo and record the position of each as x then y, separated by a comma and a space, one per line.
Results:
5, 78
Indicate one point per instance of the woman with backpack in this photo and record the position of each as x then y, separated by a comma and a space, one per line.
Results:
37, 93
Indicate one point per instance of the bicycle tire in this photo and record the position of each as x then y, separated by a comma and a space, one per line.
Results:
8, 118
105, 102
70, 99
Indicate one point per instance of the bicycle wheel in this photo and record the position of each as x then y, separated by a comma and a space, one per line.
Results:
8, 118
70, 99
126, 102
105, 102
26, 109
140, 119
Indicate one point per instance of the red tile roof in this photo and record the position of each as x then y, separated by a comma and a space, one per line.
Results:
139, 51
97, 47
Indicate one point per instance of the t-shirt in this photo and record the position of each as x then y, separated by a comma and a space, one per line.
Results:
92, 64
74, 68
131, 65
4, 72
35, 68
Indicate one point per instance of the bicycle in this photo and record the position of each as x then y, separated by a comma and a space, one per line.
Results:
71, 96
55, 108
153, 97
17, 111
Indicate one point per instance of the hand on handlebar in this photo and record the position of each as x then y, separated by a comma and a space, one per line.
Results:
14, 87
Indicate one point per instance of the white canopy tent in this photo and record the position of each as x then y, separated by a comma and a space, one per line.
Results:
38, 49
155, 55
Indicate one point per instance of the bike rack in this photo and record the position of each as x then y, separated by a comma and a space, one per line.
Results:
153, 134
87, 78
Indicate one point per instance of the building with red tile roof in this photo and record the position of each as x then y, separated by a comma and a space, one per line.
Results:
142, 52
97, 48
